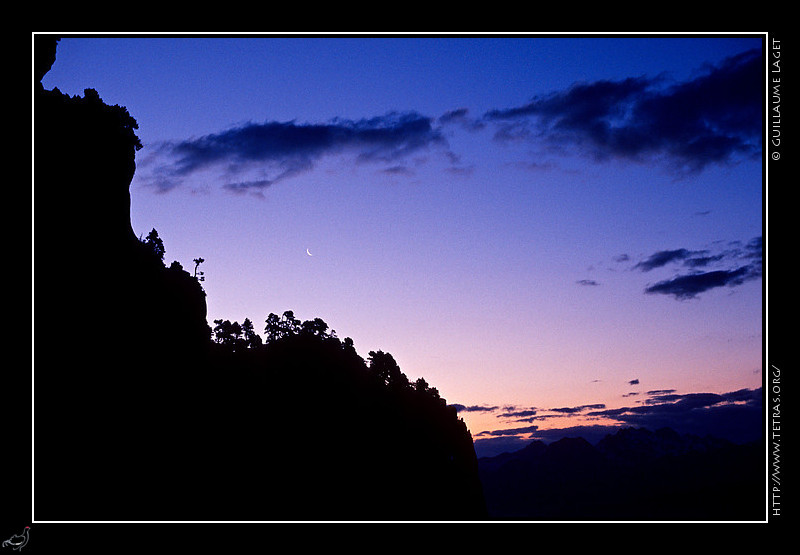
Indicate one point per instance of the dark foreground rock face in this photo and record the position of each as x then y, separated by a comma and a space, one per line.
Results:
632, 475
140, 416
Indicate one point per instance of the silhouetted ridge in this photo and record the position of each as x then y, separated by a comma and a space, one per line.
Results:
633, 474
633, 445
144, 412
390, 449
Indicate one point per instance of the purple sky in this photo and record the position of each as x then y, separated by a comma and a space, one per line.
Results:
528, 223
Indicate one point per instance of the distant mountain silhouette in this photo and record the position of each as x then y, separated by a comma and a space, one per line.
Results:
143, 413
632, 475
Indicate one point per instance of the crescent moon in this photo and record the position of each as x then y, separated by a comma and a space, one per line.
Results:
308, 252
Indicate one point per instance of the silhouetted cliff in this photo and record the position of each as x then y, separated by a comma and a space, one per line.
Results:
139, 415
632, 475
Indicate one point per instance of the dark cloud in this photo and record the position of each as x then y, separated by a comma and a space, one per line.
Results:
248, 185
398, 170
662, 258
735, 415
689, 286
289, 148
581, 106
566, 410
710, 118
701, 261
661, 391
474, 408
662, 399
679, 403
633, 382
461, 117
587, 282
459, 114
702, 258
743, 395
541, 417
509, 431
524, 413
736, 264
707, 119
578, 409
754, 249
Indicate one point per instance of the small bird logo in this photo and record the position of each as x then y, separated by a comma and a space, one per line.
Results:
17, 542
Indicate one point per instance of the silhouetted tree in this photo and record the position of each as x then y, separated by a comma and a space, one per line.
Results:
349, 347
154, 243
251, 338
228, 334
273, 329
290, 324
235, 336
385, 370
421, 386
316, 327
198, 276
281, 327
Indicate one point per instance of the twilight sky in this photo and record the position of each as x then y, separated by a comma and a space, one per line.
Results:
556, 233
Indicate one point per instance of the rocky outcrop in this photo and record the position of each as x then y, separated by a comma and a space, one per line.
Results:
116, 331
140, 416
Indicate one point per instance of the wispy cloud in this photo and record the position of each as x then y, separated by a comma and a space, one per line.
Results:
474, 408
691, 285
578, 409
461, 117
739, 264
661, 391
733, 415
662, 258
708, 119
511, 412
279, 150
509, 431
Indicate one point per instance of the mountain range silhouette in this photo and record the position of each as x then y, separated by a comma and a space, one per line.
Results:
634, 474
